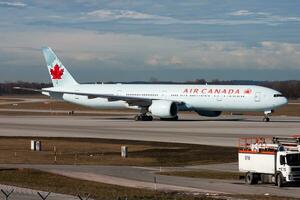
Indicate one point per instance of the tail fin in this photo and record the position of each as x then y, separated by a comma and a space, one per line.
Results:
58, 73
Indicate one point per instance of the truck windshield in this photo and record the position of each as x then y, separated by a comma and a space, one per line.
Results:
293, 159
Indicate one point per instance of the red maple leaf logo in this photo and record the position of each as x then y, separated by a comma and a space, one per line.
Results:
248, 91
56, 72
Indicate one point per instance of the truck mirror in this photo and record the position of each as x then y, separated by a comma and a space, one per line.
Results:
282, 160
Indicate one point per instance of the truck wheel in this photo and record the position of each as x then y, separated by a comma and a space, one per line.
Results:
279, 180
250, 178
256, 178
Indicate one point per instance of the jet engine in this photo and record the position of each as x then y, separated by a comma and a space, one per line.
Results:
207, 113
163, 108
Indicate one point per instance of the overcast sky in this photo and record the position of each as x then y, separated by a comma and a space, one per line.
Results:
130, 40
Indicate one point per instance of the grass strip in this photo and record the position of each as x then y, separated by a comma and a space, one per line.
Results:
16, 150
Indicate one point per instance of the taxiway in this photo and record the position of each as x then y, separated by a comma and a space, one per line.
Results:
222, 131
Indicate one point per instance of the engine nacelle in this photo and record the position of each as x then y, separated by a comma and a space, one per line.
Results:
207, 113
163, 108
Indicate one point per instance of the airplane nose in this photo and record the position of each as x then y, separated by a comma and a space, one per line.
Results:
282, 101
285, 100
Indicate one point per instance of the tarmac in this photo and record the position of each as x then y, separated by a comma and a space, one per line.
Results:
193, 129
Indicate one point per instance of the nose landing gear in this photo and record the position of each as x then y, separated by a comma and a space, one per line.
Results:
266, 119
267, 115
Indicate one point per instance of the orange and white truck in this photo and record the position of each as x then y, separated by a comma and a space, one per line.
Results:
270, 160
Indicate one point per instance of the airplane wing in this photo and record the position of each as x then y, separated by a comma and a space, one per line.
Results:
132, 101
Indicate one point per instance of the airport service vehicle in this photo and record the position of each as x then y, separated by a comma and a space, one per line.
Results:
270, 160
159, 100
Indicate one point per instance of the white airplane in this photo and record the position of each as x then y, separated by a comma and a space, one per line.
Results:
160, 100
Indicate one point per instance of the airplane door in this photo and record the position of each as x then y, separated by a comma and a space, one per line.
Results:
119, 92
164, 93
220, 97
257, 97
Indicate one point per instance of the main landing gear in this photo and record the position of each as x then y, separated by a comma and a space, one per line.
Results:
267, 116
143, 117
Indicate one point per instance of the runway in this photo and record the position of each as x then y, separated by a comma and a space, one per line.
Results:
222, 131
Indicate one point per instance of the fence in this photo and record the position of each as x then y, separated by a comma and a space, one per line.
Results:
17, 193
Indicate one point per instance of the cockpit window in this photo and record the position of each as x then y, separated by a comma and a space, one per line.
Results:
278, 95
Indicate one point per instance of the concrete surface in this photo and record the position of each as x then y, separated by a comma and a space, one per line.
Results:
225, 167
223, 131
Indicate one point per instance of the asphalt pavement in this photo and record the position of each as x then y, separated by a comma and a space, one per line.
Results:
193, 129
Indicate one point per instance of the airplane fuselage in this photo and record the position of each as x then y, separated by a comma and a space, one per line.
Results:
192, 97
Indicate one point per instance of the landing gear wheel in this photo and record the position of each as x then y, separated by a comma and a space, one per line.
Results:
143, 118
279, 180
267, 115
149, 118
266, 119
137, 118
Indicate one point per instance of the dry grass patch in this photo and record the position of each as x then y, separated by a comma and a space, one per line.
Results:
107, 152
4, 100
289, 110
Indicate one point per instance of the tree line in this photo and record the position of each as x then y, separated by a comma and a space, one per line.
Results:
290, 89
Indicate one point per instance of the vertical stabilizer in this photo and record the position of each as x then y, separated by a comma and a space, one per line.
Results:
58, 73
